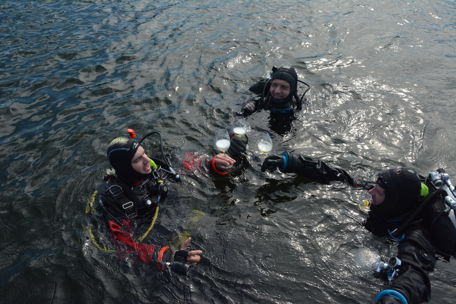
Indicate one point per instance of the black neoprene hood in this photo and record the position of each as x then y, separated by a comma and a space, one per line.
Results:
402, 189
287, 74
120, 153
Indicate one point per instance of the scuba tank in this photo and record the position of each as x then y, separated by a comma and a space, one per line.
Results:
437, 211
440, 216
441, 180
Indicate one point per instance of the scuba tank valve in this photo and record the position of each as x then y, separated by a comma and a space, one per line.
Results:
441, 180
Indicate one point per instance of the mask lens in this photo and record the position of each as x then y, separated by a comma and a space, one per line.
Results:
382, 181
368, 186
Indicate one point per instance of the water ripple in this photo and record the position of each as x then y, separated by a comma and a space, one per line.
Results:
75, 74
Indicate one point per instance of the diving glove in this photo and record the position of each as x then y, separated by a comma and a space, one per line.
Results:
271, 163
179, 264
238, 145
247, 109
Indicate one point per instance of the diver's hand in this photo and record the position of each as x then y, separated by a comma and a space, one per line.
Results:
183, 258
192, 256
247, 109
223, 162
271, 163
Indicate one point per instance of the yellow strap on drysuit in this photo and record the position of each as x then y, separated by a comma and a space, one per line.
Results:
89, 210
140, 239
89, 206
95, 243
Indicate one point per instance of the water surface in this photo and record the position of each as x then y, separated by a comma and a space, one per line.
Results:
75, 74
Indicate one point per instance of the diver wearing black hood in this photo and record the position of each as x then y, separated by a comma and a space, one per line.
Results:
401, 208
133, 192
131, 196
120, 153
402, 192
140, 182
279, 95
129, 193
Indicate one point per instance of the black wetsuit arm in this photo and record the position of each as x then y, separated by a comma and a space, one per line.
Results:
389, 300
418, 260
313, 169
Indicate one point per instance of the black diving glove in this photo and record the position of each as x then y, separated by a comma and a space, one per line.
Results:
238, 146
271, 163
247, 109
179, 268
179, 265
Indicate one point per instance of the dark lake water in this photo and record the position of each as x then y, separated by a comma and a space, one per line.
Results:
75, 74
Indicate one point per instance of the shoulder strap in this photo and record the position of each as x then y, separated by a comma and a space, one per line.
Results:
431, 198
118, 196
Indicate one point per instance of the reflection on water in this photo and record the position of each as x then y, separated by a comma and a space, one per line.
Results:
75, 74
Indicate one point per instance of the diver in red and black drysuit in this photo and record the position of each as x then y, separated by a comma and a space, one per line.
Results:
279, 95
133, 193
405, 207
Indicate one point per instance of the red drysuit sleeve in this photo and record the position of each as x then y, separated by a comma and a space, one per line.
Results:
146, 253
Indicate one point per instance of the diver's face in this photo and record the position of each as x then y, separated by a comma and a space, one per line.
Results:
140, 162
378, 194
280, 89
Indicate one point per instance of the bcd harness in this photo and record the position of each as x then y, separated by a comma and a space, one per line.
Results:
130, 200
438, 208
89, 210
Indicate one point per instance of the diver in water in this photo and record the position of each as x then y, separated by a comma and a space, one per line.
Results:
279, 95
131, 196
406, 207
